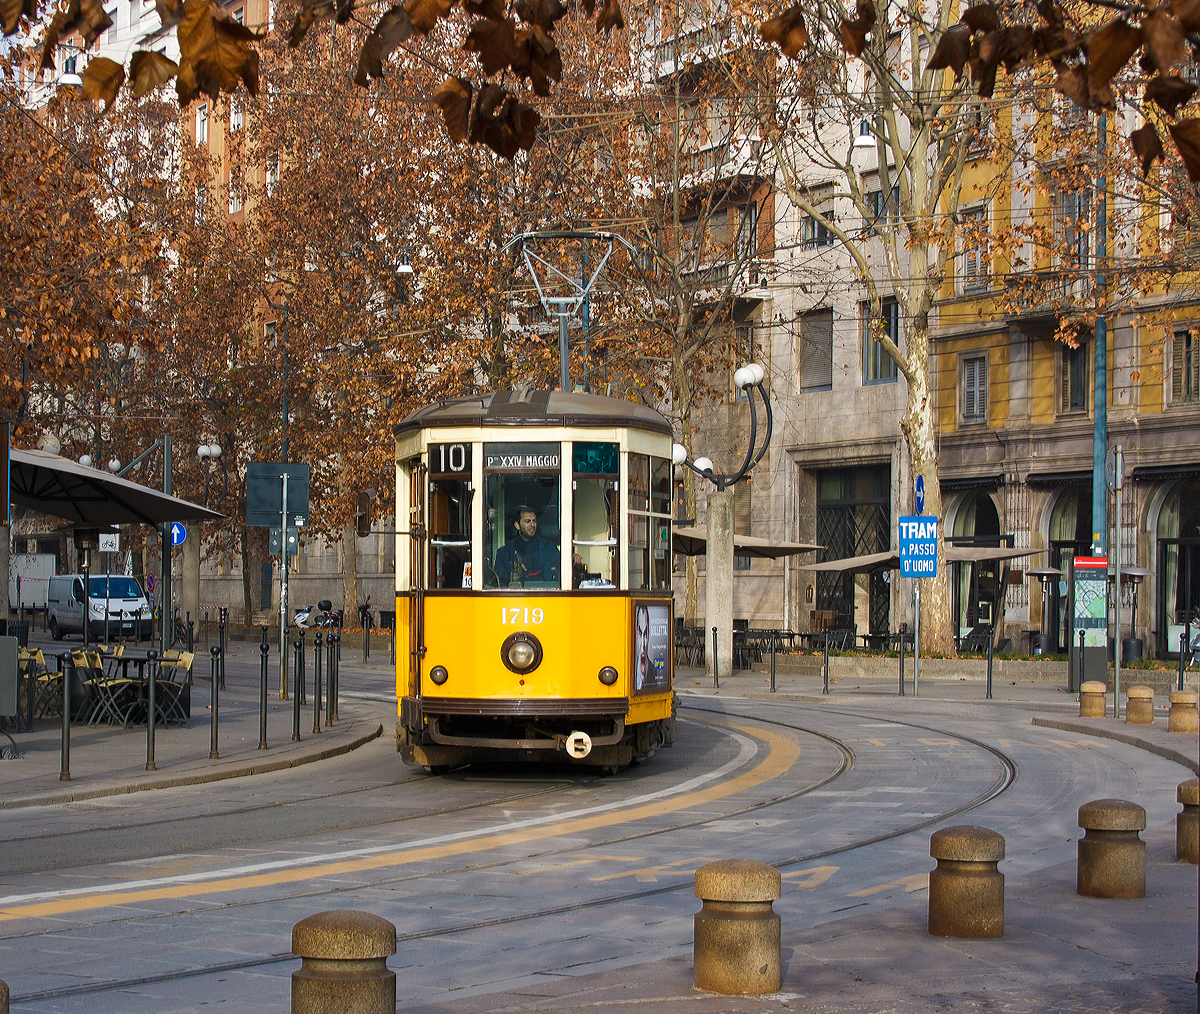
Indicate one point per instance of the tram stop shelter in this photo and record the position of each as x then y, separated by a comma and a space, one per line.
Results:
694, 542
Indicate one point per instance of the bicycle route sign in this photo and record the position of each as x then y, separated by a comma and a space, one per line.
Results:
918, 546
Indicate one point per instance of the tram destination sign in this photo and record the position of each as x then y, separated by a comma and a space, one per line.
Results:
450, 459
540, 457
918, 546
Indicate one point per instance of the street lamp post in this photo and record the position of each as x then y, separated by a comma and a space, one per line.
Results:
718, 581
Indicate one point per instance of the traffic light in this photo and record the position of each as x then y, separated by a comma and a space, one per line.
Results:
362, 521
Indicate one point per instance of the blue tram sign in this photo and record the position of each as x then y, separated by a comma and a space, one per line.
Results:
918, 546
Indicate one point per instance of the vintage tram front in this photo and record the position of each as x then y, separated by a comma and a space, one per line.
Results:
534, 587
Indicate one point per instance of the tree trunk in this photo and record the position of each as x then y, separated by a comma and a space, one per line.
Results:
350, 574
919, 426
251, 574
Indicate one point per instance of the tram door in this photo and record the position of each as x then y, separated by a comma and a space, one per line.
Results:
416, 577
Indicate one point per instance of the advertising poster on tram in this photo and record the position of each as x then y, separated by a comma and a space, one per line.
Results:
651, 648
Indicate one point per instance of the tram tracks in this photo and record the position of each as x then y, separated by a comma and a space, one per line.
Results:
1003, 781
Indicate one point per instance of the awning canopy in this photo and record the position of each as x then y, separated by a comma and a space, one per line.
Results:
873, 562
694, 542
54, 485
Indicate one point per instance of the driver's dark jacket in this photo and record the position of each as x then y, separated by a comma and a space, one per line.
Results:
536, 559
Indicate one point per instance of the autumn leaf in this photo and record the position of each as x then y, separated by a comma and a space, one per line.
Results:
493, 42
1147, 146
87, 17
787, 31
1072, 82
525, 122
1051, 13
610, 17
392, 29
1164, 40
489, 99
493, 9
981, 18
1186, 136
425, 13
453, 97
1109, 49
147, 70
1188, 13
854, 33
1169, 92
537, 57
214, 52
102, 79
543, 13
169, 11
1055, 43
11, 12
952, 51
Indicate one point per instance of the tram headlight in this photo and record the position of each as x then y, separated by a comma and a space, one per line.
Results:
521, 652
608, 675
438, 674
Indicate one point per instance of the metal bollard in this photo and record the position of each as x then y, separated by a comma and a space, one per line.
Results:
1139, 706
966, 890
1093, 700
1081, 669
1111, 858
329, 652
206, 630
989, 664
1187, 823
1183, 716
716, 660
213, 753
298, 683
66, 667
317, 683
772, 661
736, 934
1183, 645
151, 707
337, 676
265, 650
191, 628
825, 665
902, 636
344, 966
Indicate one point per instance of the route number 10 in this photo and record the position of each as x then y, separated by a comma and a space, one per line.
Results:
512, 615
447, 459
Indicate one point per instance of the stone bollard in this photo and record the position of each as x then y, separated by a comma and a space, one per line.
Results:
1092, 700
1139, 706
736, 946
1111, 861
1187, 823
345, 964
3, 997
966, 891
1183, 716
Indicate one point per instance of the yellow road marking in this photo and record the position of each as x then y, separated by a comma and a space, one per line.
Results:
810, 879
782, 755
917, 882
1081, 742
649, 874
577, 862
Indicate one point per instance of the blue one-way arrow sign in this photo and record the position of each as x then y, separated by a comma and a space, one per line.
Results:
178, 534
920, 494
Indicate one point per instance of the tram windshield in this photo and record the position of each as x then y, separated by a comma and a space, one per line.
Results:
597, 515
523, 526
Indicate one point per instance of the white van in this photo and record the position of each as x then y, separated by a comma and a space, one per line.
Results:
126, 604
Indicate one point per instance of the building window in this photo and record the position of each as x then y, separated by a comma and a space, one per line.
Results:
1185, 367
111, 35
877, 208
1073, 379
239, 15
235, 115
816, 349
235, 194
271, 274
748, 245
310, 258
974, 399
69, 65
877, 364
1072, 230
272, 174
743, 352
202, 123
201, 204
269, 332
815, 232
974, 247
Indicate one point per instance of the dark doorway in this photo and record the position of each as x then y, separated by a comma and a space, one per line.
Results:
854, 518
1070, 536
975, 587
1178, 566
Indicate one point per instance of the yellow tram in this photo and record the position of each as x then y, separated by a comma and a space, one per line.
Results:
534, 589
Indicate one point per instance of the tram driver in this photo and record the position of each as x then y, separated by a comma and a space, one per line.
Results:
528, 557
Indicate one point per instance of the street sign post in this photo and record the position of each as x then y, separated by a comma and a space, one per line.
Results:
110, 542
918, 546
293, 541
178, 534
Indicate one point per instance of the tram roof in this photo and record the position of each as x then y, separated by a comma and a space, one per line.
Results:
527, 407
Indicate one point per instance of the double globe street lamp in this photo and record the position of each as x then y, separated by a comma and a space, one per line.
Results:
718, 581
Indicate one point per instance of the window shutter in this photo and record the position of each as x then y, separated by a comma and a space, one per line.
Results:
1177, 367
981, 388
1064, 374
974, 388
742, 496
816, 349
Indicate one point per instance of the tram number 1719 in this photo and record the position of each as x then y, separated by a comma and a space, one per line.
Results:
512, 615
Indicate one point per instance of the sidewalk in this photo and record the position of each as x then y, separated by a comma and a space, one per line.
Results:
108, 760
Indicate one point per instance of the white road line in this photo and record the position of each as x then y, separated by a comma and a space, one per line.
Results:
748, 749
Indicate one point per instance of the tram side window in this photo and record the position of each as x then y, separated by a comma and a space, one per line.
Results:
450, 533
597, 514
649, 522
521, 510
